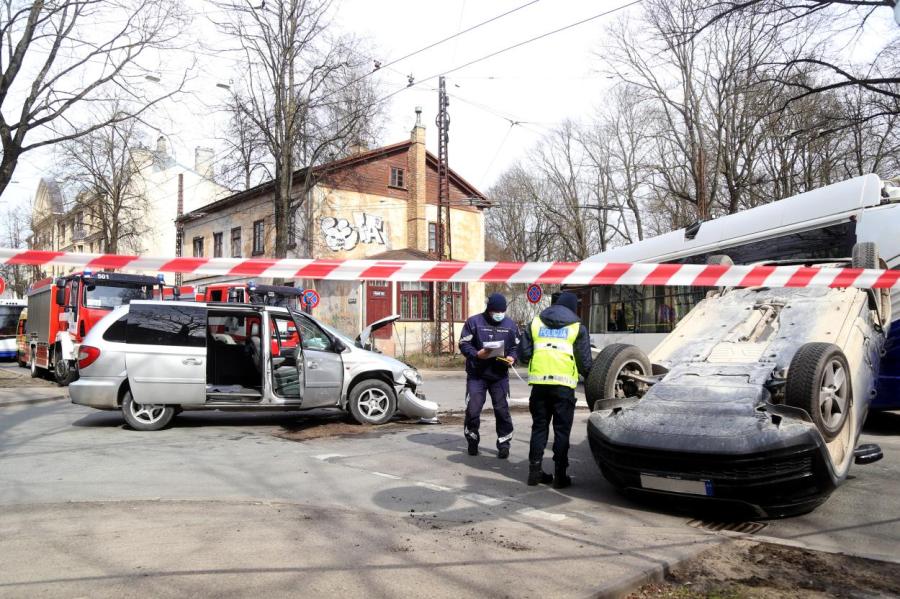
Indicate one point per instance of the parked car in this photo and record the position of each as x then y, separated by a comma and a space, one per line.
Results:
753, 404
152, 359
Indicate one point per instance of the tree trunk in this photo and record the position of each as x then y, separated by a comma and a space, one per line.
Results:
7, 167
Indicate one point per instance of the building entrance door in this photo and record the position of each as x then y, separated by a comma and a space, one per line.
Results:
379, 304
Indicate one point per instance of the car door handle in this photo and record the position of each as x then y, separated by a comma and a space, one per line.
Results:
192, 361
312, 365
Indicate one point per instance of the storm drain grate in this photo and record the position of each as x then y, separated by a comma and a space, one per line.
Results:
747, 528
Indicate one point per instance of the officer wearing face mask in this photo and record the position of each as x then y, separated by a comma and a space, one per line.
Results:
487, 373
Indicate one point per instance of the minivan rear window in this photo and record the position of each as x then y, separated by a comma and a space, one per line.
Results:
154, 324
116, 331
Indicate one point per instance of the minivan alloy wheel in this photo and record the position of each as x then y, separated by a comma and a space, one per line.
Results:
147, 413
373, 403
833, 393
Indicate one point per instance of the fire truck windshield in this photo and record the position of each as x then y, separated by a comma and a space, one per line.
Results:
108, 296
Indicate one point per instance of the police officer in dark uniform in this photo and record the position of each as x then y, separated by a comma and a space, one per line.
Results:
489, 374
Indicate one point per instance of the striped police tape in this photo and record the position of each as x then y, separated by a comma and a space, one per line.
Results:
567, 273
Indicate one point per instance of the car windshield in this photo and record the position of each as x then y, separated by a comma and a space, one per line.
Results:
9, 318
334, 333
99, 295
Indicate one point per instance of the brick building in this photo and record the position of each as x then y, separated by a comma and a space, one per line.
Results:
373, 204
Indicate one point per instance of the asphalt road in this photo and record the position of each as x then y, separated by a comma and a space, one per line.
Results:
218, 504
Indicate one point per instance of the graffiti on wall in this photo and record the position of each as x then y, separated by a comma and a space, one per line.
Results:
341, 235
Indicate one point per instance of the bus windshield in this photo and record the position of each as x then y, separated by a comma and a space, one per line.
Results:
108, 296
9, 319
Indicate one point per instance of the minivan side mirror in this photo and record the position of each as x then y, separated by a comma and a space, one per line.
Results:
339, 346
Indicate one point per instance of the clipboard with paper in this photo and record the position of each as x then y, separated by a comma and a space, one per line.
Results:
496, 349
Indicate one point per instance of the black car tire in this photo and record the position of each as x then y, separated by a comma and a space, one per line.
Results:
808, 386
63, 371
372, 402
603, 380
145, 417
865, 255
32, 367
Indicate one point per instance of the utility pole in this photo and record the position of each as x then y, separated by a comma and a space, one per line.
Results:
444, 333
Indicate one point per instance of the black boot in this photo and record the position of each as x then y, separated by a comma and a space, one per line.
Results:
503, 452
561, 480
473, 446
537, 475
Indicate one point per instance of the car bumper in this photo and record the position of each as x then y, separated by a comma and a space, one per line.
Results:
791, 479
97, 392
415, 406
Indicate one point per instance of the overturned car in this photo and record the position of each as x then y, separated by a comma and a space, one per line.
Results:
753, 404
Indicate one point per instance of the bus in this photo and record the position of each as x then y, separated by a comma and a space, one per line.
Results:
823, 223
10, 309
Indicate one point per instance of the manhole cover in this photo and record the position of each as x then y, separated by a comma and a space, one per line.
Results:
747, 528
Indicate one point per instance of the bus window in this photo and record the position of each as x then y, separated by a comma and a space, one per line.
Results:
635, 309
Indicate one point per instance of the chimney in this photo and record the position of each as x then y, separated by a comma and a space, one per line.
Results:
357, 148
416, 225
162, 147
203, 162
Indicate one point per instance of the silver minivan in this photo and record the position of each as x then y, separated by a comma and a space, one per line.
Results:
153, 359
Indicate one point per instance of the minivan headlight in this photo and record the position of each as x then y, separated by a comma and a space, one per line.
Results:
412, 375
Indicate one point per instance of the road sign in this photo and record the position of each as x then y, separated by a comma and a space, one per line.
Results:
534, 293
311, 298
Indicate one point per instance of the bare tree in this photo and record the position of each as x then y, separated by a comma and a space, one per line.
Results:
54, 59
246, 161
880, 77
518, 231
301, 91
15, 232
102, 167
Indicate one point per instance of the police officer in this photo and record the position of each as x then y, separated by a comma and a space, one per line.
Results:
489, 374
558, 348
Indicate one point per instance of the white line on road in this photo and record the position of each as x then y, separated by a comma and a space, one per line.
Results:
482, 499
542, 515
386, 475
433, 487
328, 456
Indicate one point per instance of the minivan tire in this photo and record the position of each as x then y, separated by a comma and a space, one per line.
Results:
372, 401
149, 417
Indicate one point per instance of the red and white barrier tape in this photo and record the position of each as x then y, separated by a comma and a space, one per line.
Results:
568, 273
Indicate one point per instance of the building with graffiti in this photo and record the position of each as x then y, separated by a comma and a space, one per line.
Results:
373, 204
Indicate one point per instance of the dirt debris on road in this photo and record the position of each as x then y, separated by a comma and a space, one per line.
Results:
13, 378
746, 569
343, 425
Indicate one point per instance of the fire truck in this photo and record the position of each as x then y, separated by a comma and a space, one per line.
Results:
61, 312
251, 293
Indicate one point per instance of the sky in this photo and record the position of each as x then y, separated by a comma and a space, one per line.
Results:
537, 85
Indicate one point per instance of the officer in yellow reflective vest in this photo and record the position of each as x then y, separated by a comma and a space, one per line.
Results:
557, 348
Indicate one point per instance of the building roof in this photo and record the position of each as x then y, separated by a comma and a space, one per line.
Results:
329, 167
403, 254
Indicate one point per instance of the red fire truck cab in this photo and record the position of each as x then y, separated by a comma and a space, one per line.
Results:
251, 293
61, 312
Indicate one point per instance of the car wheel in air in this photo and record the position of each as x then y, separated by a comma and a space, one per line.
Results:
818, 381
145, 417
372, 402
64, 371
865, 255
606, 380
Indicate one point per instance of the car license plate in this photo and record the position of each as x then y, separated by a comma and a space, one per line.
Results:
677, 485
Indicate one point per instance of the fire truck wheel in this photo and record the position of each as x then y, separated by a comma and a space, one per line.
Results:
145, 417
65, 372
32, 366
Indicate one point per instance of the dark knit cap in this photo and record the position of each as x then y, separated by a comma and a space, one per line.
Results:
569, 300
496, 303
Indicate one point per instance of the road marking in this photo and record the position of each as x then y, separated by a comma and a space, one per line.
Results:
385, 475
542, 515
482, 499
433, 487
328, 456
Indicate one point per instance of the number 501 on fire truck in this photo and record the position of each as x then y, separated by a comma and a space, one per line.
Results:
61, 313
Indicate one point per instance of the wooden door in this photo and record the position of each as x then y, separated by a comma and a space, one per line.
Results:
379, 304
